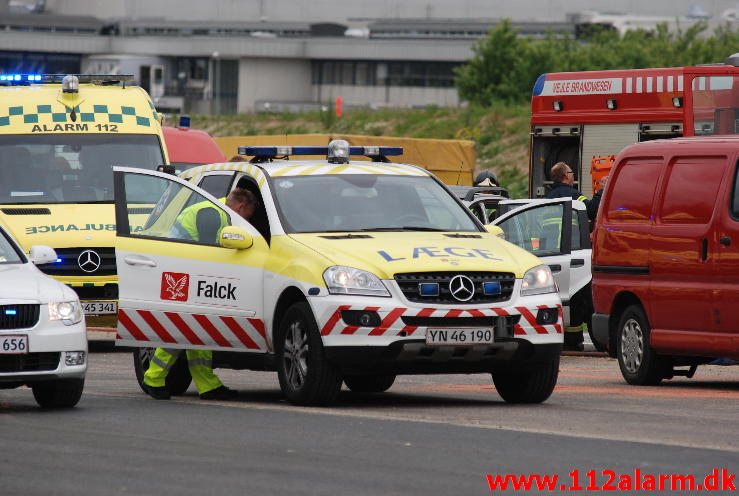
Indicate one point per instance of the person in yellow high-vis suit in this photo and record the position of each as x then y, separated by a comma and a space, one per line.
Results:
201, 222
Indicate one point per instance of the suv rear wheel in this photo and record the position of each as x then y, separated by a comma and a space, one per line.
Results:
639, 363
306, 377
178, 379
531, 386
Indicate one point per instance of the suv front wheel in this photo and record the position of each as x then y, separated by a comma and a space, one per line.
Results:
306, 377
530, 386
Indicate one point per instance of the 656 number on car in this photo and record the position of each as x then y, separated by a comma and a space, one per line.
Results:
14, 344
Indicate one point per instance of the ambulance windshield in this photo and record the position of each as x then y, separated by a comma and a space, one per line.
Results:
70, 168
358, 202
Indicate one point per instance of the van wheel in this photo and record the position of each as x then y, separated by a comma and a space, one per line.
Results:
306, 377
639, 363
531, 386
178, 379
62, 393
369, 383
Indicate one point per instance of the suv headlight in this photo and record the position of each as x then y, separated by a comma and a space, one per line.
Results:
348, 280
69, 312
538, 280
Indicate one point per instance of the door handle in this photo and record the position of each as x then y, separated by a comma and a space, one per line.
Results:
139, 261
725, 240
577, 262
555, 268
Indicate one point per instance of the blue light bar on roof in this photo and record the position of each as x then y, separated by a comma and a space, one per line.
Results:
57, 78
279, 151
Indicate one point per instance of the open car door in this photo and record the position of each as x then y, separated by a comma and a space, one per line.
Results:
555, 232
185, 282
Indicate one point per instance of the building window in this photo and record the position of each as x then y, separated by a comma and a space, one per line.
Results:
362, 73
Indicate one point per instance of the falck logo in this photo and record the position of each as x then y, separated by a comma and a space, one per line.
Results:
174, 286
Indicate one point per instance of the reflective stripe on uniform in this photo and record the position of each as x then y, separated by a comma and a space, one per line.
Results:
166, 366
573, 329
199, 361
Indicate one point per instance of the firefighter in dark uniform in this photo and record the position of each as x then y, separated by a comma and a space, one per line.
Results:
563, 178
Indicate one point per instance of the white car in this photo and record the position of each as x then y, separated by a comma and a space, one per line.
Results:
537, 225
43, 339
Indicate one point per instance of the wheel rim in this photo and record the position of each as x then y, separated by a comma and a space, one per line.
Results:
296, 355
145, 356
632, 345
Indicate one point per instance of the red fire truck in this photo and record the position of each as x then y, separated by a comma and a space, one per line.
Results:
576, 116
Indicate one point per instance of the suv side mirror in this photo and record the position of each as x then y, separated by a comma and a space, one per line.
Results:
493, 229
42, 254
236, 238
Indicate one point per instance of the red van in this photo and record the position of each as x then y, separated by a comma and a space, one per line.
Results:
190, 147
666, 257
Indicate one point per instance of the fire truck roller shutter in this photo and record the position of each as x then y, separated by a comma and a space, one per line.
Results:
603, 139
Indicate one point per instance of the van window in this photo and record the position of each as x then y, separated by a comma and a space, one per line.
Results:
690, 189
735, 196
630, 199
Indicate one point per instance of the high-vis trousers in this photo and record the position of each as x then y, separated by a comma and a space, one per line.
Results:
200, 363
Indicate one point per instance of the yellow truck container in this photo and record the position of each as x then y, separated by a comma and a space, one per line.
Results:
60, 135
452, 161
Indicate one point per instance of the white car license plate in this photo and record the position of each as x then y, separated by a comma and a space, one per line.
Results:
14, 344
480, 335
100, 307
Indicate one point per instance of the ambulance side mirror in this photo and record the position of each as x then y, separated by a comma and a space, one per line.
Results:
236, 238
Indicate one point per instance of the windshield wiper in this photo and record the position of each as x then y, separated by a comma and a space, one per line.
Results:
405, 228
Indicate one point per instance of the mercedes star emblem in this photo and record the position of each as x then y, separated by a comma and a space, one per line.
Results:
89, 261
462, 288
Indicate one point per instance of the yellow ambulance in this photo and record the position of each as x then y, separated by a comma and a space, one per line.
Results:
60, 136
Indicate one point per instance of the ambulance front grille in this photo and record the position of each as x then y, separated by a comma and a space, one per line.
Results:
410, 286
71, 261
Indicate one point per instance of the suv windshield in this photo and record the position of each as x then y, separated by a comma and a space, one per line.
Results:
359, 202
70, 168
8, 251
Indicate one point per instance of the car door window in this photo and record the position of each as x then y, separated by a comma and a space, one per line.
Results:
537, 230
217, 185
576, 244
178, 214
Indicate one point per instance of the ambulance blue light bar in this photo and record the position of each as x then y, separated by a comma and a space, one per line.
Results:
24, 79
280, 151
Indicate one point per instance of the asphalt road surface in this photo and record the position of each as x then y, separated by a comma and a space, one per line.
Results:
428, 435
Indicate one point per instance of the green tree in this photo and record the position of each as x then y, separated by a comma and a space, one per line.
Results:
504, 65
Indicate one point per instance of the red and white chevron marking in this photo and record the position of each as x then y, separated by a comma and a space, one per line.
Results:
209, 331
393, 325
